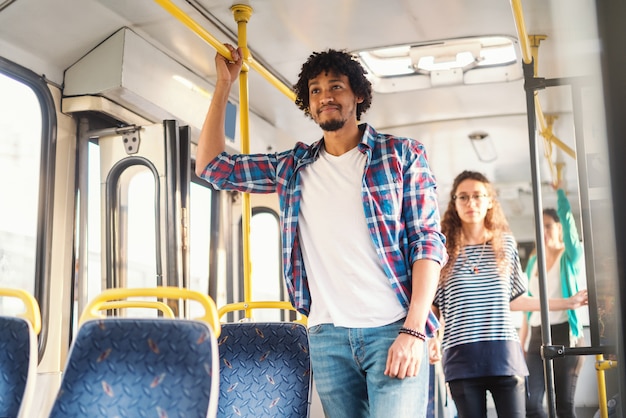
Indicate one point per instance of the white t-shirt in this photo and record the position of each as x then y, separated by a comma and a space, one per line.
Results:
554, 292
347, 283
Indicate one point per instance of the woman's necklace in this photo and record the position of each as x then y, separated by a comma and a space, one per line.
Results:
473, 267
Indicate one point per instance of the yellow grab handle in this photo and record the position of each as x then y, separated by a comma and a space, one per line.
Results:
32, 313
166, 292
244, 306
152, 304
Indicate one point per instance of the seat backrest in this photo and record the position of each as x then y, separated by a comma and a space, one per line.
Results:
135, 367
265, 370
18, 366
18, 355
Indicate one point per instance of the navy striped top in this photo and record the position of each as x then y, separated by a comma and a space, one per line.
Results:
479, 337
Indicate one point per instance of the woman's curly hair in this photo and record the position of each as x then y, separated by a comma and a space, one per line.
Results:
333, 61
495, 223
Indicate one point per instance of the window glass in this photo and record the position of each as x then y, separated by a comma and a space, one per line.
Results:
94, 234
265, 258
199, 244
137, 228
140, 202
20, 147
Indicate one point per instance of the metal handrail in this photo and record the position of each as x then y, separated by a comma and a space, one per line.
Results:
532, 85
528, 57
219, 46
241, 14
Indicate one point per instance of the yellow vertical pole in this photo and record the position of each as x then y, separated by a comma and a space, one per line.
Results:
242, 14
600, 367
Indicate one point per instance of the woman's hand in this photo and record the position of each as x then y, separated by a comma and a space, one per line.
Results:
579, 299
434, 350
559, 184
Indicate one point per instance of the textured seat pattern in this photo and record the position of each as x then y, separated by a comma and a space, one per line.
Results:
264, 370
139, 368
15, 341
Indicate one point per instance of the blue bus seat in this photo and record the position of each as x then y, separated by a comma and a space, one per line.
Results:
18, 366
136, 367
265, 370
18, 355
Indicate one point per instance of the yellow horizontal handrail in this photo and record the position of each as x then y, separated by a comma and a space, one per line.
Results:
219, 46
151, 304
271, 78
194, 26
32, 313
92, 310
243, 306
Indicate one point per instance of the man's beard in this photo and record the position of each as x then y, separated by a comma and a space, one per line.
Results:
332, 125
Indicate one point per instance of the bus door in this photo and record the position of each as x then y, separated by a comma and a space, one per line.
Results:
138, 192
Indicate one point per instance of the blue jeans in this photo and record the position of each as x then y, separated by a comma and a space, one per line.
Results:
348, 368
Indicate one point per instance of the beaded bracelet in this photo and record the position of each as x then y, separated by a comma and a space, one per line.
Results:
413, 332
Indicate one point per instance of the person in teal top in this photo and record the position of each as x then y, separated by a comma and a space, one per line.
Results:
564, 256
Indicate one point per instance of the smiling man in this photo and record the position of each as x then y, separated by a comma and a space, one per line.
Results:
362, 247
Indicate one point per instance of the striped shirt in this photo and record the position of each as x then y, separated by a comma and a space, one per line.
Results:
479, 336
399, 200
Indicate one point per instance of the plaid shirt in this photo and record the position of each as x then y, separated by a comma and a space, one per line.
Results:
399, 200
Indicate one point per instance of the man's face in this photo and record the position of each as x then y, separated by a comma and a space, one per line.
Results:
331, 100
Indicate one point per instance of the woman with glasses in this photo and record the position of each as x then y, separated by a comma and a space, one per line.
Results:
479, 286
563, 256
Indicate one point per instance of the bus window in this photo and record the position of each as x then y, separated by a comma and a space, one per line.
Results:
199, 243
137, 202
94, 282
94, 277
265, 253
140, 198
19, 187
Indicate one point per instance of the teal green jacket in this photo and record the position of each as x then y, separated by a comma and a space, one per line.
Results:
571, 259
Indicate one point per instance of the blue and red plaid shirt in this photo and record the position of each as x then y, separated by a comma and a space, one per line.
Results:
399, 200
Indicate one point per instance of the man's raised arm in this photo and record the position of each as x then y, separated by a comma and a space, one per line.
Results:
212, 139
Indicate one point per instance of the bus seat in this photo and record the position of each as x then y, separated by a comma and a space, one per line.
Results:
18, 366
133, 367
264, 370
18, 356
136, 367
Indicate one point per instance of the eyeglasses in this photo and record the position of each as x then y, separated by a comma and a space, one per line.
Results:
465, 198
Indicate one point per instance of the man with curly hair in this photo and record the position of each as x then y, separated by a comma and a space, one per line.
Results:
362, 247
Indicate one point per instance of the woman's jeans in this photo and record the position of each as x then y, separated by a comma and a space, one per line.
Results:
348, 368
566, 370
470, 396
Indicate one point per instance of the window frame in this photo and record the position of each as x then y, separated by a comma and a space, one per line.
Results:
45, 205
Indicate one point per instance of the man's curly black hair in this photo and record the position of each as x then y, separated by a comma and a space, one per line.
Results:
339, 62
